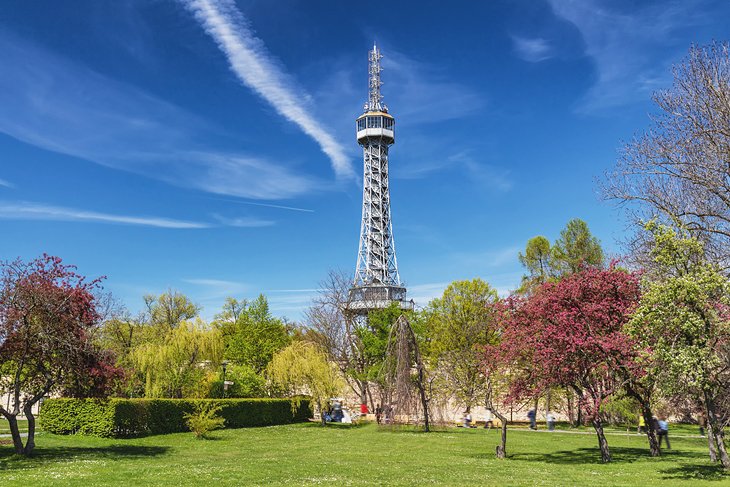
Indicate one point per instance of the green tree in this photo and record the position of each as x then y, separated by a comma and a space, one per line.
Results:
575, 248
683, 322
169, 309
302, 368
537, 261
457, 326
251, 335
176, 364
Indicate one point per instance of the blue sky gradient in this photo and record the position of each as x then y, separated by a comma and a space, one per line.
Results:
208, 145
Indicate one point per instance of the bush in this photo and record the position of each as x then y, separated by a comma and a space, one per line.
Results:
118, 418
204, 420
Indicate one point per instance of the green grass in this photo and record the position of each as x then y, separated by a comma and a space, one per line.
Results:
306, 454
5, 427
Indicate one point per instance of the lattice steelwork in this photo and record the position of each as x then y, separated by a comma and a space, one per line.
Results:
377, 282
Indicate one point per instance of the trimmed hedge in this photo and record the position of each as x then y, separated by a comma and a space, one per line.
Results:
119, 418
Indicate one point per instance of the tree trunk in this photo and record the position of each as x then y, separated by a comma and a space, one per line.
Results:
711, 443
569, 401
15, 433
424, 399
715, 432
650, 432
502, 447
30, 441
602, 443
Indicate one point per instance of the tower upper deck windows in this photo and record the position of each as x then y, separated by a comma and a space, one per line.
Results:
375, 124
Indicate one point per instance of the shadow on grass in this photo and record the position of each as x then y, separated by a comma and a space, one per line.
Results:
45, 455
593, 455
696, 472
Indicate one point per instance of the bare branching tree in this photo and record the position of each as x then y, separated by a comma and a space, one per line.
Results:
679, 170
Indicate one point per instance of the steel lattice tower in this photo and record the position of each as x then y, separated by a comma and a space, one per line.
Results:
377, 283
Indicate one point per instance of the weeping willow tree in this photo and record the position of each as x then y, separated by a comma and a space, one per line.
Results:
176, 364
403, 376
303, 368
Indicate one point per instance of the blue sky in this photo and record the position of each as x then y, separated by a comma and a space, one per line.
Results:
208, 146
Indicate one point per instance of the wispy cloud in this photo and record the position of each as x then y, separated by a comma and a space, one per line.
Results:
533, 50
254, 66
6, 184
35, 211
267, 205
485, 175
59, 105
245, 221
632, 49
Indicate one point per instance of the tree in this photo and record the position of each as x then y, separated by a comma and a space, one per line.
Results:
47, 312
537, 261
457, 325
174, 365
679, 169
336, 333
169, 309
684, 320
255, 335
575, 248
569, 333
302, 368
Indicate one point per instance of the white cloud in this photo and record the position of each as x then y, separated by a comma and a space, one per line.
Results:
250, 61
533, 50
245, 221
61, 106
34, 211
6, 184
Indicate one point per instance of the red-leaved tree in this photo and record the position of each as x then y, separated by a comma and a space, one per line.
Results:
46, 314
569, 334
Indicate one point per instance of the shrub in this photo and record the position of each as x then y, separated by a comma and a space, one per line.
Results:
204, 420
120, 418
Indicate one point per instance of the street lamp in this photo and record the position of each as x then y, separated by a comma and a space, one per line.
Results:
225, 384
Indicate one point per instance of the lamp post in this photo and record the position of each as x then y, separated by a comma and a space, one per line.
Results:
225, 385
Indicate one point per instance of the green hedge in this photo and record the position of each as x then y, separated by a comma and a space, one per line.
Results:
116, 418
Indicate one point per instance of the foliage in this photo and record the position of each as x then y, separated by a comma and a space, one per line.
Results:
570, 334
456, 326
172, 363
204, 419
537, 261
302, 368
138, 417
251, 335
575, 248
47, 312
169, 310
246, 383
684, 324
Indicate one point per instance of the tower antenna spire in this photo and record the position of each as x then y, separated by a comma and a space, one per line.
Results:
375, 99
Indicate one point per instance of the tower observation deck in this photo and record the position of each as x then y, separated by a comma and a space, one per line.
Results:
377, 283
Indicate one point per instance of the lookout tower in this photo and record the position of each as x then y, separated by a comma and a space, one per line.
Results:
377, 283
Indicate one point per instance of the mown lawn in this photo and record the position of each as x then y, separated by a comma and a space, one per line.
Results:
307, 454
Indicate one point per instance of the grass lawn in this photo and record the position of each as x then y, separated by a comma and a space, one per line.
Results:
306, 454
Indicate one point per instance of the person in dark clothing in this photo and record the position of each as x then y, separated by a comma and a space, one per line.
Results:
378, 414
532, 416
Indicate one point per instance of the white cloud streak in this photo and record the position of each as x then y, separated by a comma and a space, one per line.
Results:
6, 184
243, 222
253, 65
35, 211
532, 50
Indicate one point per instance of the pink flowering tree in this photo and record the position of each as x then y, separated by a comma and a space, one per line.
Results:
570, 334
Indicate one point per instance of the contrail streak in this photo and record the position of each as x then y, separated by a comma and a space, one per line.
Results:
249, 60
